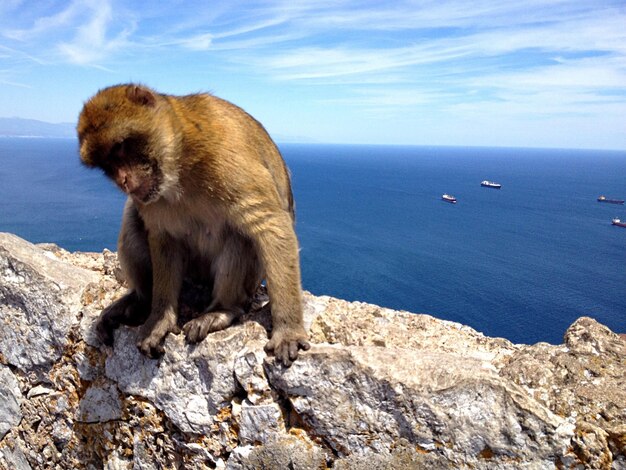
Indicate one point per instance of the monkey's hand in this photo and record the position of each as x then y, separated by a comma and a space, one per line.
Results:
152, 334
285, 344
128, 310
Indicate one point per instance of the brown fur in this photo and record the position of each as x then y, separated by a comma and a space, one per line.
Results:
208, 192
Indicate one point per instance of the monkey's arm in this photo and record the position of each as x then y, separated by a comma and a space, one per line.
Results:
167, 265
278, 248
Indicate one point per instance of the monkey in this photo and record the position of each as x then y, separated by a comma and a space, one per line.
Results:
209, 193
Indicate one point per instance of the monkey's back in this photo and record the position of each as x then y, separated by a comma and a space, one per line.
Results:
231, 139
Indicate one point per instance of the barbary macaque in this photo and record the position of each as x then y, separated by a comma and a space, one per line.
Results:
209, 195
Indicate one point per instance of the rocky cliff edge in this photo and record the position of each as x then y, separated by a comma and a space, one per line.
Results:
379, 389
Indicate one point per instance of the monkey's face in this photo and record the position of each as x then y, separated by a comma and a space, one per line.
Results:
128, 165
116, 134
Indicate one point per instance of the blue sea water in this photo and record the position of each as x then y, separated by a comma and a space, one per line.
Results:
522, 262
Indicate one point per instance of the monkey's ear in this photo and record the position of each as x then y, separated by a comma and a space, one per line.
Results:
140, 95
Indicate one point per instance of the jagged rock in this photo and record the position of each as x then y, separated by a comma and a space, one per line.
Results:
363, 398
192, 384
13, 458
379, 388
259, 424
284, 452
40, 298
586, 379
10, 401
100, 404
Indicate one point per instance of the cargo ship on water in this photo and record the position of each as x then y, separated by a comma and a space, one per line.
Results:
619, 223
490, 184
448, 198
610, 201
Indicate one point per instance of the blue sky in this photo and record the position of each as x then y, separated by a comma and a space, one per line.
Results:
530, 73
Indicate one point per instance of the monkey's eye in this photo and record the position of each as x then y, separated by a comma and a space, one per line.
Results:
116, 151
107, 169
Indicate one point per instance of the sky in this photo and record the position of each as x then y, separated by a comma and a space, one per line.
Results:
533, 73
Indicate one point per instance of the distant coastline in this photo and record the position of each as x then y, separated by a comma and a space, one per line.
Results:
32, 128
14, 127
10, 136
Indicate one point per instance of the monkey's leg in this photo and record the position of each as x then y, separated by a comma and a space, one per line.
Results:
237, 274
134, 257
168, 266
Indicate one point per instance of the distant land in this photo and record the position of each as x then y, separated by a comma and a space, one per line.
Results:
18, 127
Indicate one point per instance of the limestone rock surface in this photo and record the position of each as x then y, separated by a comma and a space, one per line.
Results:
10, 401
379, 388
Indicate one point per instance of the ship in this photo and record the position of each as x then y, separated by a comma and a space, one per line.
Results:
610, 201
490, 184
448, 198
618, 223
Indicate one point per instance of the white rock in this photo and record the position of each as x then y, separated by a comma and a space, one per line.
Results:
100, 404
38, 390
251, 375
259, 423
190, 383
14, 459
394, 390
39, 302
450, 402
10, 401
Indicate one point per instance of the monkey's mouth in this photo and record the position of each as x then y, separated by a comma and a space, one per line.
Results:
145, 193
148, 188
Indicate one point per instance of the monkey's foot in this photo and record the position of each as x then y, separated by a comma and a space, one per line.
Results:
285, 344
128, 310
151, 340
198, 328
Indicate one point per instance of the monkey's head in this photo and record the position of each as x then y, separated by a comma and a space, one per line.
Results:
125, 131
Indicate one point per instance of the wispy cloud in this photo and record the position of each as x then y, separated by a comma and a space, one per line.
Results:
45, 24
451, 56
542, 58
83, 32
94, 40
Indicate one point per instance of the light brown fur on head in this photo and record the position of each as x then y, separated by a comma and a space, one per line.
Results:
205, 182
120, 114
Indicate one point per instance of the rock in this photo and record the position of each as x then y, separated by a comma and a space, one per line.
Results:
259, 424
40, 299
250, 374
10, 401
100, 404
191, 384
584, 379
13, 458
366, 398
379, 388
37, 391
284, 452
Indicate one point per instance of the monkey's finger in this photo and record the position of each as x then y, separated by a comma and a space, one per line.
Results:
153, 352
304, 344
197, 329
191, 333
293, 350
104, 332
157, 351
283, 355
107, 338
204, 329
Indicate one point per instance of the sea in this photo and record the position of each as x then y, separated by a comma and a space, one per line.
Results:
523, 262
